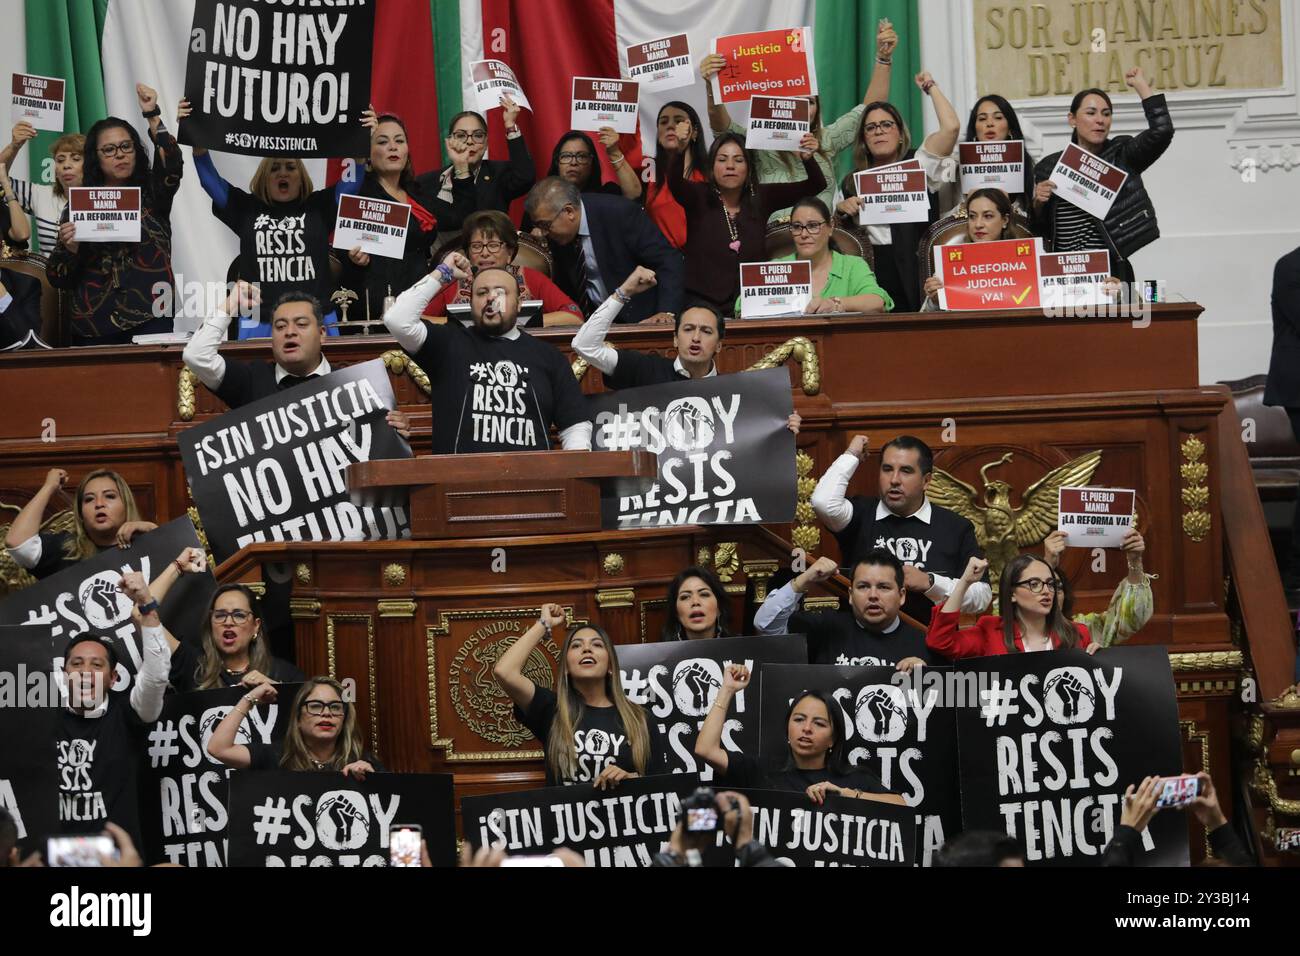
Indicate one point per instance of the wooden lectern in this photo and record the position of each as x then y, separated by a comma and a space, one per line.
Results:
512, 493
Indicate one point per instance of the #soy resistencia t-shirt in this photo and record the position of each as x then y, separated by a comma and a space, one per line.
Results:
598, 738
97, 760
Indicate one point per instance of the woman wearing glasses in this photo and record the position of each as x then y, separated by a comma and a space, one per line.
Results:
324, 734
1031, 619
493, 183
493, 244
234, 649
575, 161
122, 289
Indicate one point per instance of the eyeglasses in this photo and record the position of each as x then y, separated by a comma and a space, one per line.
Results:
812, 228
575, 158
478, 136
124, 148
493, 247
884, 126
1036, 585
546, 224
319, 708
236, 617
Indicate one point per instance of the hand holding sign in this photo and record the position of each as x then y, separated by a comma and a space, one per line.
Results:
612, 776
1054, 546
22, 132
808, 145
711, 66
510, 110
68, 237
1043, 192
130, 529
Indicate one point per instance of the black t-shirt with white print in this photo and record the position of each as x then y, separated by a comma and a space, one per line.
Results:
944, 546
836, 637
98, 762
599, 739
494, 394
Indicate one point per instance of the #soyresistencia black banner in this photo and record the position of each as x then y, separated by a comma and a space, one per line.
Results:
29, 783
85, 598
183, 816
725, 453
298, 818
678, 681
276, 469
896, 725
1056, 738
282, 79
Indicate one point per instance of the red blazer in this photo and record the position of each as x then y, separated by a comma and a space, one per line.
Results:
983, 640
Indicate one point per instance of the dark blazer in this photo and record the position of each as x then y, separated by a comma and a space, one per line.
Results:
624, 237
24, 313
497, 182
1283, 387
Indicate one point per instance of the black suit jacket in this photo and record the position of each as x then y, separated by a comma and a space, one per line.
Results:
624, 237
24, 313
1283, 387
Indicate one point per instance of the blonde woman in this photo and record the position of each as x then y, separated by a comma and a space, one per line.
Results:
591, 733
323, 734
45, 203
105, 517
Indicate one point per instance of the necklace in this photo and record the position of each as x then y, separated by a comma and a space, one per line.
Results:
733, 229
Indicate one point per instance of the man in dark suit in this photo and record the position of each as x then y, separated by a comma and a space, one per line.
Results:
20, 307
1283, 387
598, 242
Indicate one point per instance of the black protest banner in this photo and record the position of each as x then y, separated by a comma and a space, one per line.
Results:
29, 707
276, 469
725, 453
85, 599
622, 827
182, 789
290, 818
265, 80
1053, 741
901, 727
678, 681
842, 832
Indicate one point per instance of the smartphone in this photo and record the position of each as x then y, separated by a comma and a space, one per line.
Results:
404, 844
1179, 791
532, 861
701, 819
79, 850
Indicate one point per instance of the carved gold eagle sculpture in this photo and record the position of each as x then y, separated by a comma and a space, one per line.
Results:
1004, 531
12, 577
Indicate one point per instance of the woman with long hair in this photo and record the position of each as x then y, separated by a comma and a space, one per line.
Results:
988, 219
323, 733
678, 133
235, 649
104, 516
697, 606
814, 762
992, 119
590, 732
1031, 619
123, 289
574, 160
45, 202
1132, 603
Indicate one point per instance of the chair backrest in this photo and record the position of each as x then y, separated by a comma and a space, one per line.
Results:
951, 231
533, 253
847, 242
52, 302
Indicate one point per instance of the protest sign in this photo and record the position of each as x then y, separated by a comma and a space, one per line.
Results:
999, 164
1069, 279
1087, 181
726, 455
989, 275
678, 681
770, 62
265, 80
105, 214
1049, 749
778, 123
602, 102
663, 64
892, 194
378, 226
1095, 517
301, 818
38, 100
841, 832
773, 289
492, 80
276, 469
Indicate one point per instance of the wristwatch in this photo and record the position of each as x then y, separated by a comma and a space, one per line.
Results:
156, 111
148, 608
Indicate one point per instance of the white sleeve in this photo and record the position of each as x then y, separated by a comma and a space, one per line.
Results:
405, 320
828, 499
978, 597
590, 344
202, 355
938, 169
576, 437
773, 617
151, 680
28, 554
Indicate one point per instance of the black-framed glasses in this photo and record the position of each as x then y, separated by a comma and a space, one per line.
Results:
884, 126
1036, 585
234, 617
546, 224
575, 158
495, 246
124, 148
812, 228
478, 136
319, 708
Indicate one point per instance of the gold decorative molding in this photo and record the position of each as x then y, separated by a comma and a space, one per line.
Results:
1196, 498
257, 587
807, 534
821, 603
185, 386
1206, 661
394, 575
1193, 449
303, 574
398, 362
303, 609
703, 557
726, 561
396, 608
759, 572
1253, 738
615, 597
330, 621
580, 367
1289, 699
1265, 785
1201, 737
804, 353
1196, 525
1195, 494
649, 603
193, 514
613, 563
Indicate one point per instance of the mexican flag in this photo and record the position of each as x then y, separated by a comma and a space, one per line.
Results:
421, 57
